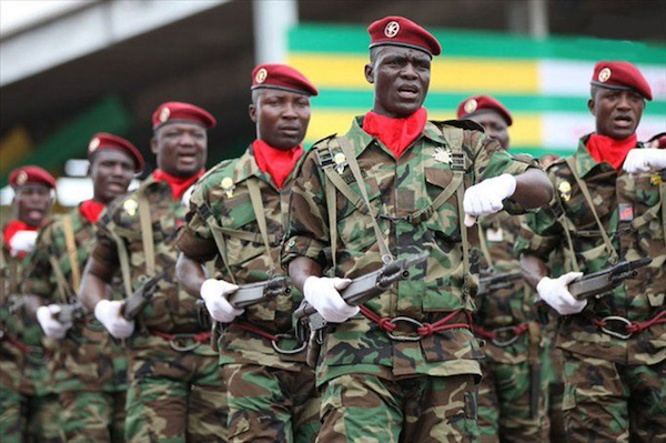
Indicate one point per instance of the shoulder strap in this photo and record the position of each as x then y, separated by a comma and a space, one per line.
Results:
484, 247
206, 213
70, 241
588, 198
146, 224
61, 281
123, 258
260, 214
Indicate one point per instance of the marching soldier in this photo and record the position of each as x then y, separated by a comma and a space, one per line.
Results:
238, 217
175, 386
608, 208
513, 392
392, 187
90, 369
26, 396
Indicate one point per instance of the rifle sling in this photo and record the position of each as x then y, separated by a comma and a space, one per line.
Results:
332, 222
123, 258
70, 241
61, 281
567, 228
260, 214
146, 224
588, 198
484, 248
206, 213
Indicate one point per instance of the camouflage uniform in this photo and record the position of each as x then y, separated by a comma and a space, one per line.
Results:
372, 385
25, 393
176, 390
284, 403
515, 349
90, 369
614, 387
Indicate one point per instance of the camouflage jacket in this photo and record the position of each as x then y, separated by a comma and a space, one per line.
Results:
396, 188
224, 194
87, 359
507, 307
171, 310
623, 203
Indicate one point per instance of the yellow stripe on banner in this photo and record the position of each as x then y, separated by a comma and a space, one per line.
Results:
338, 71
525, 131
14, 147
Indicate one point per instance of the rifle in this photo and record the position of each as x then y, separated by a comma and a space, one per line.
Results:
496, 282
70, 313
604, 281
141, 298
365, 287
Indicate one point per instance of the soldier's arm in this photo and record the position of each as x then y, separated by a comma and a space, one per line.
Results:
191, 275
301, 268
94, 283
533, 269
533, 189
37, 285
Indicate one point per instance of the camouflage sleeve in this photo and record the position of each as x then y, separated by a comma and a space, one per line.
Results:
39, 278
307, 232
104, 249
490, 160
195, 239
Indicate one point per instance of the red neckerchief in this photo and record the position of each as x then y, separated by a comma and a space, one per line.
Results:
12, 228
275, 162
178, 185
609, 150
91, 210
396, 133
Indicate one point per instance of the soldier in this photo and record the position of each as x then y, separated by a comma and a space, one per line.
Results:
240, 207
405, 370
25, 393
513, 392
90, 369
176, 390
613, 344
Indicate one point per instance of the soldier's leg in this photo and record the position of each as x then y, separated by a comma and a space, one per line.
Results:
555, 394
118, 400
488, 422
440, 409
595, 400
12, 419
360, 407
260, 405
207, 404
307, 402
86, 416
648, 401
44, 419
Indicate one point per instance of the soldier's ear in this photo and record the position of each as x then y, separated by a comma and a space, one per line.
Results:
369, 73
153, 145
252, 109
590, 106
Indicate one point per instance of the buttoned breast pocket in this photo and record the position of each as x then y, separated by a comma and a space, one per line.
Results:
246, 244
354, 225
444, 221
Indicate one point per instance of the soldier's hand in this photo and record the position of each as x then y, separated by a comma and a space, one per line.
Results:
109, 313
52, 327
555, 293
214, 293
488, 196
322, 293
645, 160
23, 241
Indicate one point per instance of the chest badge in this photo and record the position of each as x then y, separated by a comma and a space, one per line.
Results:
564, 189
340, 162
228, 186
130, 207
442, 156
656, 179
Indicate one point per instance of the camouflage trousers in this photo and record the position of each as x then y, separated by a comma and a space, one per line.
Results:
29, 418
93, 416
555, 372
269, 404
504, 403
175, 396
11, 419
606, 401
366, 408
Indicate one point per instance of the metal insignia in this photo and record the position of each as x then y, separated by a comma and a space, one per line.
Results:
442, 156
564, 189
94, 144
656, 179
392, 28
471, 106
340, 162
165, 113
21, 178
228, 186
604, 75
130, 206
261, 75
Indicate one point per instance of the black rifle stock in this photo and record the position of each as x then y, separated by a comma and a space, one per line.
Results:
603, 281
496, 282
132, 306
70, 313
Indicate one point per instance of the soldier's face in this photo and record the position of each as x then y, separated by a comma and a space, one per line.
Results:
617, 113
33, 203
181, 148
401, 77
494, 125
281, 117
111, 172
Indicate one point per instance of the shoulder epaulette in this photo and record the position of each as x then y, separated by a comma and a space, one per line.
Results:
324, 139
462, 124
556, 164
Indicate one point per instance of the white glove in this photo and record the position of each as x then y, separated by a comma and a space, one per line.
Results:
645, 160
23, 241
52, 327
322, 293
109, 314
555, 293
214, 293
487, 197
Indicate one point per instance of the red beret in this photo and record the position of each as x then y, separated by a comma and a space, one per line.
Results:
621, 75
661, 140
399, 31
31, 175
286, 78
475, 104
109, 141
182, 112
